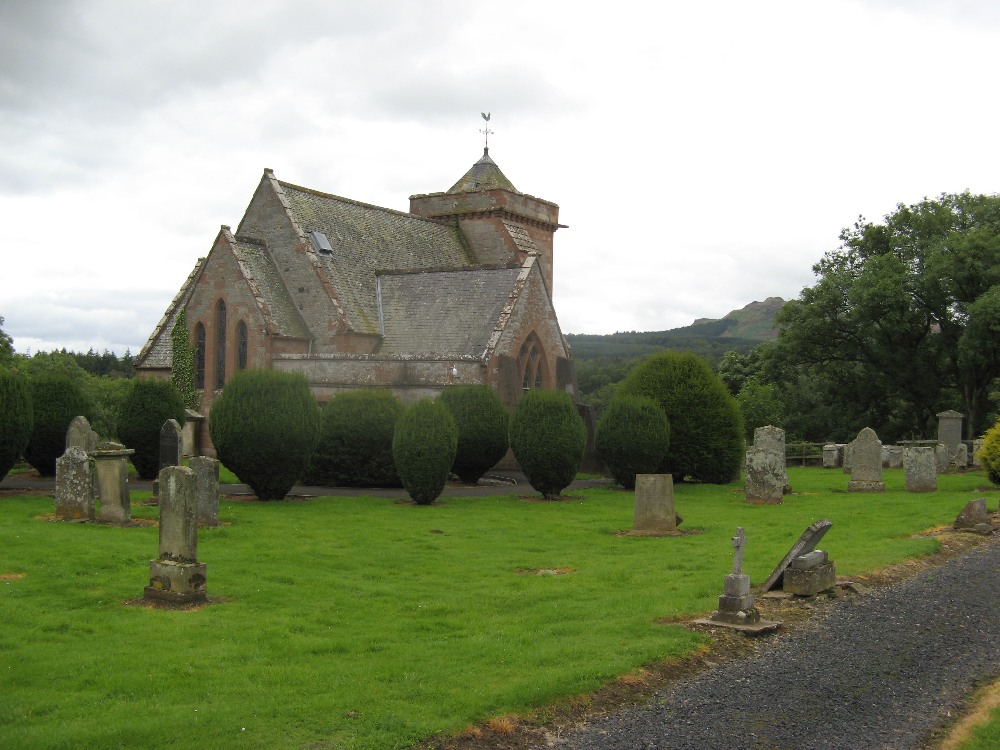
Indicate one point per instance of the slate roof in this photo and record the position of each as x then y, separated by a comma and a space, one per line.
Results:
272, 296
367, 239
158, 349
443, 313
483, 175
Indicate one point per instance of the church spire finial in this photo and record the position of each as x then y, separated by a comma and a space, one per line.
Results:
486, 132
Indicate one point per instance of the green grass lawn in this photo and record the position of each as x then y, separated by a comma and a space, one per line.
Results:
366, 623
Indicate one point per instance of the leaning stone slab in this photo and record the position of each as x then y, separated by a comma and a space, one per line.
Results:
920, 468
974, 517
654, 513
806, 544
74, 493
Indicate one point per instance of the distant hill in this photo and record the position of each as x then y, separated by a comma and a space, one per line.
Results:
739, 330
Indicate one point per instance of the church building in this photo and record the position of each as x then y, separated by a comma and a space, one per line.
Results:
457, 291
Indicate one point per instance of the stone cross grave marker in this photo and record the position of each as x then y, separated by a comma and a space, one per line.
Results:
866, 463
807, 543
739, 542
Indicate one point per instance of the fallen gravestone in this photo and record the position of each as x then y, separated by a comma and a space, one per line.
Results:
806, 544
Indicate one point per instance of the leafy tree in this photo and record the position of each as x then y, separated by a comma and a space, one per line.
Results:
6, 347
182, 358
632, 437
482, 423
16, 418
147, 406
706, 428
423, 447
914, 302
55, 401
989, 453
355, 441
264, 428
760, 405
548, 438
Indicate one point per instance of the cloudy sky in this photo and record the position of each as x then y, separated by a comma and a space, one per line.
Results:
704, 154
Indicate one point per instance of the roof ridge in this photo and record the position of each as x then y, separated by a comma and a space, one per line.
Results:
446, 269
362, 204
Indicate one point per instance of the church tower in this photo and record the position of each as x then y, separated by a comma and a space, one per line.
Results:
501, 224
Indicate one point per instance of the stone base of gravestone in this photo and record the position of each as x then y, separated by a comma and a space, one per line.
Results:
974, 518
865, 485
206, 475
920, 468
74, 493
111, 460
765, 476
736, 605
654, 513
805, 545
809, 581
176, 582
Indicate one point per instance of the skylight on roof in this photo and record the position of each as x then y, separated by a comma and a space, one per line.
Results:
321, 243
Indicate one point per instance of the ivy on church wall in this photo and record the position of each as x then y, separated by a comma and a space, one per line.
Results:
182, 362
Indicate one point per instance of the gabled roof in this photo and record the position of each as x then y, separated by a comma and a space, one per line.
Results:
273, 300
158, 349
444, 313
366, 239
483, 175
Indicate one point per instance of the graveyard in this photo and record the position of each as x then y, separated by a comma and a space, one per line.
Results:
363, 622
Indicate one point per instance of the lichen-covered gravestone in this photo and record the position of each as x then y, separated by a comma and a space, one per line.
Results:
920, 468
831, 456
206, 472
74, 494
654, 513
766, 478
866, 463
80, 435
176, 576
950, 431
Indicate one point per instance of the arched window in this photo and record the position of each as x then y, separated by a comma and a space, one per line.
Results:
531, 363
199, 356
243, 342
220, 344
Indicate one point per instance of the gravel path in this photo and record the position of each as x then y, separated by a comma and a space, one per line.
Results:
879, 671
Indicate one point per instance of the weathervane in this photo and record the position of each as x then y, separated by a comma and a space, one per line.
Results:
486, 130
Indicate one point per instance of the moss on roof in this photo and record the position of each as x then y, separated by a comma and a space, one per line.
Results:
484, 175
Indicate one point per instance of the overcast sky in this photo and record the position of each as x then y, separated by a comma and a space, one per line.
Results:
704, 154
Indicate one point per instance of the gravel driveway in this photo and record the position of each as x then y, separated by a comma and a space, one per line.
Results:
879, 671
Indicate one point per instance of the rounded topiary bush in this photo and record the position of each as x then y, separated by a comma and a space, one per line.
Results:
482, 423
706, 427
989, 453
548, 438
423, 446
264, 428
632, 438
16, 418
147, 406
355, 441
55, 401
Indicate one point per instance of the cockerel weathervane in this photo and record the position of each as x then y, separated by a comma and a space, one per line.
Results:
486, 130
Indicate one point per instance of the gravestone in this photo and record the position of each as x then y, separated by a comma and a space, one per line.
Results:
170, 444
190, 432
950, 431
895, 458
772, 439
962, 456
977, 445
654, 513
74, 493
920, 468
176, 576
943, 457
848, 457
766, 478
111, 461
831, 456
809, 574
974, 518
81, 435
736, 605
206, 472
866, 463
805, 544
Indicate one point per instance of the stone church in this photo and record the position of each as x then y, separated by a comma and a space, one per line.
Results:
457, 291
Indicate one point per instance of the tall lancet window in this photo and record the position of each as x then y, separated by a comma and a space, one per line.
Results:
199, 356
243, 345
531, 362
220, 344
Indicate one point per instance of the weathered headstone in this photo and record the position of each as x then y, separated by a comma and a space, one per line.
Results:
974, 517
943, 458
766, 478
772, 439
895, 457
176, 576
81, 435
190, 432
170, 444
962, 456
866, 463
950, 431
74, 493
654, 505
848, 457
111, 460
831, 456
206, 472
920, 468
806, 543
